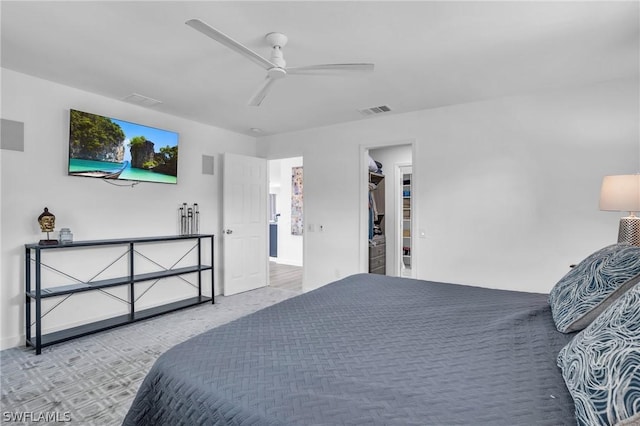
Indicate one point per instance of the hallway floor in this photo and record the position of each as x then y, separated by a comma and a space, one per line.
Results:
287, 277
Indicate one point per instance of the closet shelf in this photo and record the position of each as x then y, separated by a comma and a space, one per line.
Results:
406, 223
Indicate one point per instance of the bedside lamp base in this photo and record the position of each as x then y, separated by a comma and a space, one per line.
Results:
629, 230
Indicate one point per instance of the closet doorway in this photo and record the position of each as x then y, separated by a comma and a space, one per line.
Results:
286, 227
390, 208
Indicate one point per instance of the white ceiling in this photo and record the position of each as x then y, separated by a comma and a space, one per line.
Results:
427, 54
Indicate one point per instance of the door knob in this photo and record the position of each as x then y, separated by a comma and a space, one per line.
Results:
228, 231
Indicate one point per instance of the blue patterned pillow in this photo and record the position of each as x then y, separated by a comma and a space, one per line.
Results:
601, 365
596, 282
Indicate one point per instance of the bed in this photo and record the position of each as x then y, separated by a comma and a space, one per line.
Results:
369, 349
377, 350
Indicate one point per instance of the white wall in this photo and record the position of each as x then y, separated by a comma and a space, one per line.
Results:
92, 209
391, 157
506, 189
289, 246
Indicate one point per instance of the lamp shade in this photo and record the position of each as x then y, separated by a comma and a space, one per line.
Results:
620, 193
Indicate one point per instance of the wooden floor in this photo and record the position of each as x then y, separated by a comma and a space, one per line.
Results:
285, 276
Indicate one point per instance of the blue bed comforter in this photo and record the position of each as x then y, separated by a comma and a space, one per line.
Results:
369, 350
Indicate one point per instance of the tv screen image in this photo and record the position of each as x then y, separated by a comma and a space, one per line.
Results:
109, 148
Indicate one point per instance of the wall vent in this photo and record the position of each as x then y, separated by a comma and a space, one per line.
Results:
141, 100
207, 164
374, 110
11, 135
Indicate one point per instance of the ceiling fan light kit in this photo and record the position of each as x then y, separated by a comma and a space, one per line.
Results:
275, 66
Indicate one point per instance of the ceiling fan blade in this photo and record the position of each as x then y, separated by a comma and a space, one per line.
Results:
261, 93
330, 68
224, 39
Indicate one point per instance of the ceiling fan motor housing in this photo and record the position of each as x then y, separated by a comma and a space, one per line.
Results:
276, 73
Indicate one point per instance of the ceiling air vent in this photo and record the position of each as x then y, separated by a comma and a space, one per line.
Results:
141, 100
374, 110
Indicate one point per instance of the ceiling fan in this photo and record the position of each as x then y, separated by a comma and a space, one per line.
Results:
275, 65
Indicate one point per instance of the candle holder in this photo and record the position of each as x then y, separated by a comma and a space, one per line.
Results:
189, 219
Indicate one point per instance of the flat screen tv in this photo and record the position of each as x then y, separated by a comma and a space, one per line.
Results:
108, 148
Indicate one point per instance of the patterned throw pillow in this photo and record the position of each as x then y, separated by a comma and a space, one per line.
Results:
596, 282
601, 365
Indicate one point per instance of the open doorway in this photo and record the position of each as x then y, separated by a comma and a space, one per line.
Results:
286, 227
389, 236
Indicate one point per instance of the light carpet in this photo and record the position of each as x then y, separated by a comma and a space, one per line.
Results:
92, 380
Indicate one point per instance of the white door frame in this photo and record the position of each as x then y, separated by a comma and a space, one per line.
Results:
364, 201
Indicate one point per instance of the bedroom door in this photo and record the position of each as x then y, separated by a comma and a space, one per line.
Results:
244, 219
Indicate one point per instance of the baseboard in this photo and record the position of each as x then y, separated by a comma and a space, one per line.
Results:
11, 342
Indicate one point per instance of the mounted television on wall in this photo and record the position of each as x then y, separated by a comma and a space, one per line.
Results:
108, 148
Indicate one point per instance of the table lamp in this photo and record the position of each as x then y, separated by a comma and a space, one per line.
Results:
622, 193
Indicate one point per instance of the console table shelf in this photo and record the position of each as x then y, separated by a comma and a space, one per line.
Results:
114, 282
35, 293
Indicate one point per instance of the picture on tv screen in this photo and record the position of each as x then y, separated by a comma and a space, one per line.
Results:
109, 148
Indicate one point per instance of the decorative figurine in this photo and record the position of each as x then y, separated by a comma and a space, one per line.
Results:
47, 221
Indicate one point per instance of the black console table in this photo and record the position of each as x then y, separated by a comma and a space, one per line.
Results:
35, 292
